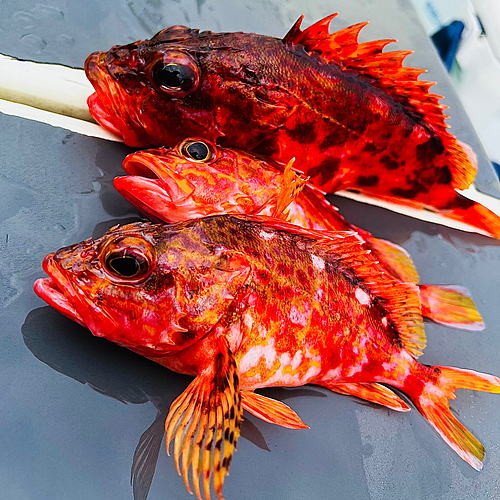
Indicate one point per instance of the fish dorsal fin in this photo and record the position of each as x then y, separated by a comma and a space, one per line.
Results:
400, 299
395, 258
385, 71
293, 184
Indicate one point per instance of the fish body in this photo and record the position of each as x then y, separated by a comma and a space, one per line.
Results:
351, 114
244, 302
197, 178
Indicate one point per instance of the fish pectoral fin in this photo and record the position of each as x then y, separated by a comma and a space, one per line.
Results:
205, 421
450, 305
272, 411
375, 393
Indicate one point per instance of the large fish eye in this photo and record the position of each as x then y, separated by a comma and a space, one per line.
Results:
175, 74
198, 150
126, 266
127, 259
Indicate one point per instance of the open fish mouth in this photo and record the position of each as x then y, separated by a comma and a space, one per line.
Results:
55, 291
153, 186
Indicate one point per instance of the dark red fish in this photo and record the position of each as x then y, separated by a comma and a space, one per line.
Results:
351, 114
241, 303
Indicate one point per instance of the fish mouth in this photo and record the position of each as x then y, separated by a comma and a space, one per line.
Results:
56, 289
108, 104
154, 187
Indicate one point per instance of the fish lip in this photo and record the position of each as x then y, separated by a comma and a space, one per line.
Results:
55, 291
107, 104
155, 164
133, 189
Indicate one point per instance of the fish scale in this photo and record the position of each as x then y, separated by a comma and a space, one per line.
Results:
343, 323
351, 115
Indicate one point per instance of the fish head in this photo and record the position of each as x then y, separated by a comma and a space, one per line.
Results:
183, 83
197, 178
150, 288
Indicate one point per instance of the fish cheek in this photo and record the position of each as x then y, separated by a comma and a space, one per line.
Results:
205, 296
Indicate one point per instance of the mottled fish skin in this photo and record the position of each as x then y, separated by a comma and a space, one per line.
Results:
247, 302
197, 178
281, 98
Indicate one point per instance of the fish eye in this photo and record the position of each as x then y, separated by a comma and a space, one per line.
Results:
175, 74
127, 260
126, 265
199, 151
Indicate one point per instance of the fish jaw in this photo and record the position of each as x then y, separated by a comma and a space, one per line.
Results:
107, 104
58, 291
52, 292
156, 189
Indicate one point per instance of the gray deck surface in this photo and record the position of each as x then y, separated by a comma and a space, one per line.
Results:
62, 438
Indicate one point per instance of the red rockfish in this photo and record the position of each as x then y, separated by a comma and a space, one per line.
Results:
244, 302
351, 114
196, 178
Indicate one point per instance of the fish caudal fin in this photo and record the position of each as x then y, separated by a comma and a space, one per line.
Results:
474, 214
451, 306
272, 411
433, 404
204, 422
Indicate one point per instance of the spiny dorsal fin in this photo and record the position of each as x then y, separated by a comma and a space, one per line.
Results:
385, 70
293, 184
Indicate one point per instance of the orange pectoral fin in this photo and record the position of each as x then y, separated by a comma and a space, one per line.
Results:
375, 393
204, 422
272, 411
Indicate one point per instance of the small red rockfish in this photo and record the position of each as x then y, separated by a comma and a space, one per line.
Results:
351, 114
197, 178
244, 302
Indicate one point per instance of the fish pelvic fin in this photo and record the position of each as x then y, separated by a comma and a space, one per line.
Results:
386, 72
372, 392
433, 404
204, 422
272, 411
450, 305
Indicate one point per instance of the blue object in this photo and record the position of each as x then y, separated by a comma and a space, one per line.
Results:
447, 41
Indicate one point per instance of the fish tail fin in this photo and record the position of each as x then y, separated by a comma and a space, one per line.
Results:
433, 404
450, 305
474, 214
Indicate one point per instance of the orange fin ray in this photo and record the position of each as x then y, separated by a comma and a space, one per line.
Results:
373, 392
451, 306
272, 411
433, 404
204, 423
395, 258
386, 71
293, 184
474, 214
